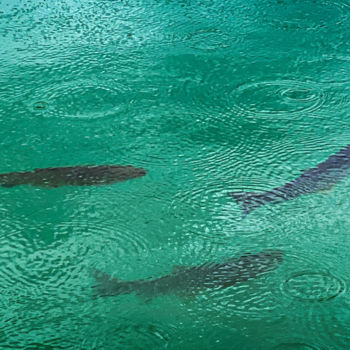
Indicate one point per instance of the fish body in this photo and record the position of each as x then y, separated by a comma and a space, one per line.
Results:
87, 175
322, 177
188, 280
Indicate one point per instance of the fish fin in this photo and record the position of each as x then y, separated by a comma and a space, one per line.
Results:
103, 282
101, 276
247, 200
178, 268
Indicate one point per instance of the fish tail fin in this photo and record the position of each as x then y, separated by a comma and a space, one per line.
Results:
105, 283
247, 200
101, 276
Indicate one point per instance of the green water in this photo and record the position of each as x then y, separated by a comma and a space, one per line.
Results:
209, 97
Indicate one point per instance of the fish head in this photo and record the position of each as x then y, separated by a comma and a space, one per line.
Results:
246, 267
122, 173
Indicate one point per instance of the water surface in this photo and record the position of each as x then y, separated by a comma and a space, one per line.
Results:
209, 97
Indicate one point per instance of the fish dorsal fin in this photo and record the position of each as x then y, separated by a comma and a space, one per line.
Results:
178, 268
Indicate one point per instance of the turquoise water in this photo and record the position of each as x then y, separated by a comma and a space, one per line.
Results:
209, 97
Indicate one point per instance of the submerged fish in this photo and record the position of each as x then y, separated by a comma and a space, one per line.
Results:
322, 177
86, 175
189, 280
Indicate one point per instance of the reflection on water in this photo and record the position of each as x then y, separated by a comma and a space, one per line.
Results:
209, 97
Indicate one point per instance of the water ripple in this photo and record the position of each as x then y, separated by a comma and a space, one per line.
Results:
308, 15
209, 39
132, 335
81, 100
122, 241
297, 345
248, 300
313, 286
328, 69
211, 97
308, 280
277, 98
330, 325
34, 272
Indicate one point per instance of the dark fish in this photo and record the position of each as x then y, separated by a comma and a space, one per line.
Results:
189, 280
322, 177
86, 175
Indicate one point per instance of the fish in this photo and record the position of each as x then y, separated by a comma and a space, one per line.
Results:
189, 280
320, 178
85, 175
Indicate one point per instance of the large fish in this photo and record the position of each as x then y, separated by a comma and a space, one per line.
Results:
86, 175
190, 280
322, 177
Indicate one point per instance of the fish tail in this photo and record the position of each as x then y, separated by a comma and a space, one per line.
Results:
103, 283
247, 200
107, 285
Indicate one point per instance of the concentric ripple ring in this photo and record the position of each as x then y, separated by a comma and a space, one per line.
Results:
84, 101
313, 286
277, 98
